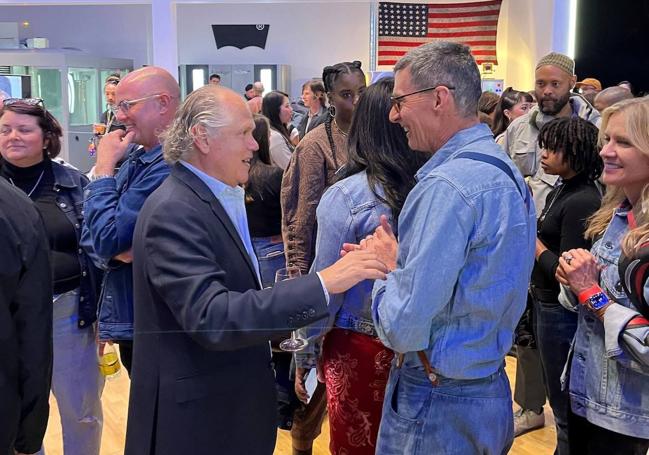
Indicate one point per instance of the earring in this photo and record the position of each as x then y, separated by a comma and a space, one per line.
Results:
332, 110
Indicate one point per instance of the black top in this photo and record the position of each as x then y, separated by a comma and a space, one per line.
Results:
262, 199
25, 324
39, 181
561, 226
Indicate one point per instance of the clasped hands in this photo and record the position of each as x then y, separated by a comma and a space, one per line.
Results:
383, 243
579, 269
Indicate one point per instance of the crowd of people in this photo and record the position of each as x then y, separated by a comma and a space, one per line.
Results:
428, 226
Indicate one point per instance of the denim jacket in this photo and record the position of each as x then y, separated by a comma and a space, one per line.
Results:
111, 209
69, 184
347, 212
609, 373
466, 250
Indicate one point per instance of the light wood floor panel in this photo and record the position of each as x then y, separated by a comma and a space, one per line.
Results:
115, 401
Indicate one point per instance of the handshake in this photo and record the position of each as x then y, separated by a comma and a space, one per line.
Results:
372, 259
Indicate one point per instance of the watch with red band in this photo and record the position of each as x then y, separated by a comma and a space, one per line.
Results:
594, 298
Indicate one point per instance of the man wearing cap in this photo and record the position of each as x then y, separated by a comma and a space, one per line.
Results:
589, 86
554, 80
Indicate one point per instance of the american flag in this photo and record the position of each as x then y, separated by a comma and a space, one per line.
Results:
403, 26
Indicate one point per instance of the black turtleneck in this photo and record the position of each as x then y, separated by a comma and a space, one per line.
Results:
562, 224
39, 181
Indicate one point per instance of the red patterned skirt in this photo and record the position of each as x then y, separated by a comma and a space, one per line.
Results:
356, 368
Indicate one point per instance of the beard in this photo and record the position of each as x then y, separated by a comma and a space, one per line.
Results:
552, 106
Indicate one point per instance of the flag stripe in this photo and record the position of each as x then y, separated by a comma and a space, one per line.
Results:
464, 24
465, 5
454, 15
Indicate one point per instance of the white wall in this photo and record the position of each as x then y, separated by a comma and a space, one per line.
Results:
118, 31
307, 36
304, 34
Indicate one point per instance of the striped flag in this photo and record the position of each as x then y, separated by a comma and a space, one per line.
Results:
403, 26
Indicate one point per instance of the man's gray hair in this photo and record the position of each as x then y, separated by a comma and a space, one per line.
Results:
202, 107
445, 63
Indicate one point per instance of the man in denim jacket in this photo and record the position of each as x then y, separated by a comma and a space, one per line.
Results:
459, 272
146, 101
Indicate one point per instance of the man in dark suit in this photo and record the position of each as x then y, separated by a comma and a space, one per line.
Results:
202, 380
25, 324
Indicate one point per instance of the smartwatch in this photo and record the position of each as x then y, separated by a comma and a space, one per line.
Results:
597, 301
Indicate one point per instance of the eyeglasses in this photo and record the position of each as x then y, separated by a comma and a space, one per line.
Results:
397, 100
125, 105
27, 101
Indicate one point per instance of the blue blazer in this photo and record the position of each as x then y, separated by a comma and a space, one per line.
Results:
202, 380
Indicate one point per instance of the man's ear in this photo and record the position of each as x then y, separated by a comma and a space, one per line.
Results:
573, 81
199, 135
164, 100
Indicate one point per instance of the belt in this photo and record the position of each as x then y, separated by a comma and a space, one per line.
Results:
357, 324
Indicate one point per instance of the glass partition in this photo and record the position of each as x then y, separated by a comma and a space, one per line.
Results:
46, 84
83, 96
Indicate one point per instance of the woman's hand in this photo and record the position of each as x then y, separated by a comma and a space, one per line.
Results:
579, 268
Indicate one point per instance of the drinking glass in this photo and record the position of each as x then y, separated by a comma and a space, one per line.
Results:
295, 343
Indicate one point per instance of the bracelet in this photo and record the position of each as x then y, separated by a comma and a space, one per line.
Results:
588, 293
94, 177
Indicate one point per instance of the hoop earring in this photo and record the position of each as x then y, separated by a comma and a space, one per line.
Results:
332, 110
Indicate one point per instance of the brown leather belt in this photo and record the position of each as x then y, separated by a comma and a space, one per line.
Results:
432, 377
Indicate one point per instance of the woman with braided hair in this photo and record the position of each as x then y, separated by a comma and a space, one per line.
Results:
312, 169
569, 149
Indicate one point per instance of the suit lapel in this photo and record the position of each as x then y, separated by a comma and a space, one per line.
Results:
197, 185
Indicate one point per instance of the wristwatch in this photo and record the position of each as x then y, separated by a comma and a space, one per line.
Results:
597, 301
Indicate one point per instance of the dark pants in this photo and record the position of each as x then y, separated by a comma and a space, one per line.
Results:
126, 354
555, 329
287, 400
589, 439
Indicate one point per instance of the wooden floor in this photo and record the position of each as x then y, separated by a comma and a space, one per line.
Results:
115, 399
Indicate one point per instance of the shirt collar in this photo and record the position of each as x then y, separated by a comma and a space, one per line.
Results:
215, 185
453, 145
145, 157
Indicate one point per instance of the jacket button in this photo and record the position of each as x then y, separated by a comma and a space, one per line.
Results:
80, 251
608, 245
618, 287
311, 312
84, 273
63, 205
82, 323
305, 315
77, 225
81, 298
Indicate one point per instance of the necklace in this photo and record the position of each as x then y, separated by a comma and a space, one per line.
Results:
34, 187
546, 210
340, 129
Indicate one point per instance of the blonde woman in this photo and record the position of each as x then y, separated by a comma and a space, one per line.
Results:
609, 370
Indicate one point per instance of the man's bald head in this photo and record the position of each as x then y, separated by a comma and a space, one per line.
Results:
147, 100
610, 96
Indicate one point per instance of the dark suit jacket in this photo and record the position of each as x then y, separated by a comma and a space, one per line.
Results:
317, 119
25, 323
202, 380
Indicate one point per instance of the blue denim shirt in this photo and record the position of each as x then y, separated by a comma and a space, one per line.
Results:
466, 251
347, 212
111, 209
609, 373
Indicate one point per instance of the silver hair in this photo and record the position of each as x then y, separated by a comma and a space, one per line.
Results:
201, 108
446, 63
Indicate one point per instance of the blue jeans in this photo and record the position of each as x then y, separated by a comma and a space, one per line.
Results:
77, 383
270, 256
555, 329
455, 417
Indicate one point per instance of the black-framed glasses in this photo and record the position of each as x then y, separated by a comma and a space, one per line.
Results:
27, 101
397, 100
126, 105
